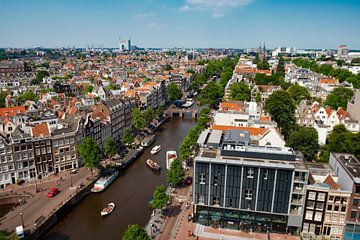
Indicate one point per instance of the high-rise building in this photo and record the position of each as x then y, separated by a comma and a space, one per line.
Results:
343, 51
125, 44
247, 187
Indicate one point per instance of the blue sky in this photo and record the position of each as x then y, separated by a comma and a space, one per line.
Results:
180, 23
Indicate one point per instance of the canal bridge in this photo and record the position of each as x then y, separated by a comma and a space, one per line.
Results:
170, 112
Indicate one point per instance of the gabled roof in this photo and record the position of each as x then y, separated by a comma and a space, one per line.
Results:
341, 113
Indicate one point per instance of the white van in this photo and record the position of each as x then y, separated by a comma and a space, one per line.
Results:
20, 232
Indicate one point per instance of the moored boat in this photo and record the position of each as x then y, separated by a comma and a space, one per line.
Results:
170, 156
108, 209
155, 149
152, 164
102, 183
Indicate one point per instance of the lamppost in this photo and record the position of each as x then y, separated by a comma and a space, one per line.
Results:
22, 220
71, 185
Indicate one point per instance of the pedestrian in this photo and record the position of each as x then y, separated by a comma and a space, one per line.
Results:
197, 237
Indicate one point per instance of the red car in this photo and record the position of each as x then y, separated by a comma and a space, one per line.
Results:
53, 192
188, 181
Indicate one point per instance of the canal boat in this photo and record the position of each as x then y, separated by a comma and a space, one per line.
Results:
170, 156
102, 183
153, 165
189, 102
155, 149
108, 209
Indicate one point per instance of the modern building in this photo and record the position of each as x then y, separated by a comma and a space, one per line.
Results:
242, 186
125, 44
347, 168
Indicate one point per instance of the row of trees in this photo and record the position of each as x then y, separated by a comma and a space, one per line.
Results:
142, 119
327, 70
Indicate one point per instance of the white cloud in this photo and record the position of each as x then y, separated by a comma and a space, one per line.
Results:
144, 15
216, 7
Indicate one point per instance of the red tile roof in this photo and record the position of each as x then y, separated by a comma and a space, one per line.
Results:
12, 111
330, 181
40, 130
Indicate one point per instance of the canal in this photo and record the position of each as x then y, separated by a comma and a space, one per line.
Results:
131, 193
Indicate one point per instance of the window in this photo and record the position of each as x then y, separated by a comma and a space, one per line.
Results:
336, 208
248, 194
306, 227
319, 205
318, 216
309, 215
266, 173
250, 173
216, 201
356, 202
321, 197
202, 178
312, 195
310, 204
353, 214
215, 180
343, 209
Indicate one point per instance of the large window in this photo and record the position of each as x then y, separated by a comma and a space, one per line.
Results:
309, 215
312, 195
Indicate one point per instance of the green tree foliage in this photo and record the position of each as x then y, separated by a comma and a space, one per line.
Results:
3, 95
281, 106
90, 153
240, 92
138, 120
174, 92
199, 80
159, 112
28, 96
113, 87
342, 141
135, 232
305, 140
261, 64
340, 74
168, 67
274, 79
149, 115
127, 138
298, 93
211, 93
160, 198
8, 236
339, 97
88, 88
176, 173
355, 61
258, 97
39, 77
110, 147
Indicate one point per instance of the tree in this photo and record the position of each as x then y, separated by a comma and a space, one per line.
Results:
305, 140
159, 112
39, 77
135, 232
90, 153
281, 106
174, 92
110, 147
28, 96
88, 88
339, 97
2, 98
138, 119
160, 198
240, 92
298, 93
168, 67
149, 116
127, 138
211, 94
175, 175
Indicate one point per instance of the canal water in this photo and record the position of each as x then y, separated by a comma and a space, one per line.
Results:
131, 193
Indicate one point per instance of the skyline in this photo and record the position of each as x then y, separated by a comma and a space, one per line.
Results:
183, 23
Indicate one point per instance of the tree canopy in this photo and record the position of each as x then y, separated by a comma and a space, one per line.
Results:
281, 106
138, 119
160, 198
127, 137
211, 93
110, 147
39, 77
135, 232
149, 115
341, 140
240, 92
299, 93
90, 153
28, 96
339, 97
305, 140
174, 92
176, 173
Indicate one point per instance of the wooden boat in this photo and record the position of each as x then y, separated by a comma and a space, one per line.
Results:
155, 149
152, 164
108, 209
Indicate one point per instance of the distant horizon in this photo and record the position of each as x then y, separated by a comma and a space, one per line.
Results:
238, 24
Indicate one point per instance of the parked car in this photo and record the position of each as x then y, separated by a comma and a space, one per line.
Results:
53, 192
188, 181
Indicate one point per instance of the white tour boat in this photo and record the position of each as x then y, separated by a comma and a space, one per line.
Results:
155, 149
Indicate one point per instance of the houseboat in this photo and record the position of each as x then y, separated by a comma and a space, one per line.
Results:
102, 183
170, 156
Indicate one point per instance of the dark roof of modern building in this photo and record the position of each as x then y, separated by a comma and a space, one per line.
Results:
350, 163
